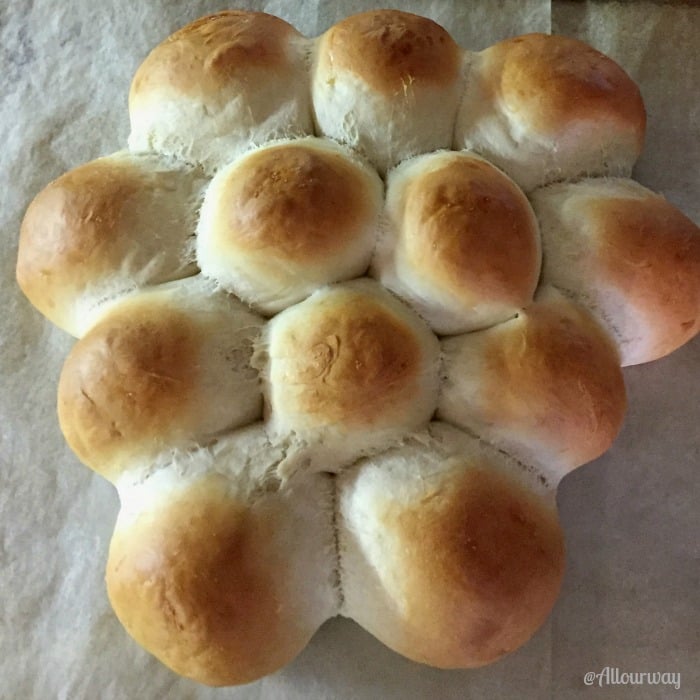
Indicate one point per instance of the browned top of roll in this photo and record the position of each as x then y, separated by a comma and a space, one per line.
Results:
484, 553
128, 380
471, 230
554, 80
190, 581
355, 363
390, 50
650, 251
556, 374
80, 210
72, 228
103, 228
297, 203
207, 55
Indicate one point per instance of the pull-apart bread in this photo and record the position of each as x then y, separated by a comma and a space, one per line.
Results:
347, 310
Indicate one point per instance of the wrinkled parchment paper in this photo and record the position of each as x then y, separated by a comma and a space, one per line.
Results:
631, 596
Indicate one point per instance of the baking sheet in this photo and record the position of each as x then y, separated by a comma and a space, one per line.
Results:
630, 599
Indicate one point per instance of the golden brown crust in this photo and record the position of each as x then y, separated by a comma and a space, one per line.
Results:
352, 362
103, 228
557, 81
482, 562
193, 579
215, 51
191, 582
297, 203
72, 229
637, 261
128, 382
554, 374
650, 251
391, 51
471, 231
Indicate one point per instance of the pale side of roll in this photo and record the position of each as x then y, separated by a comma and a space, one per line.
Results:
450, 552
348, 371
629, 255
460, 242
219, 85
161, 370
104, 229
387, 83
219, 570
288, 218
546, 386
546, 108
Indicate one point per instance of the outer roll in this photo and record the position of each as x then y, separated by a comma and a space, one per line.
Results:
224, 578
162, 370
630, 256
546, 108
451, 554
220, 84
546, 386
387, 83
103, 229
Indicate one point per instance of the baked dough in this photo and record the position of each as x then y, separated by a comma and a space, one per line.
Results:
332, 357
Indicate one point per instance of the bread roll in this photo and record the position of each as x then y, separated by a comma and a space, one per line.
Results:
387, 83
461, 243
345, 372
339, 457
546, 387
451, 553
630, 256
106, 228
219, 85
546, 108
217, 569
162, 370
285, 219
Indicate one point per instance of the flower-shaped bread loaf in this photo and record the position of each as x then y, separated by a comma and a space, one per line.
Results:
333, 358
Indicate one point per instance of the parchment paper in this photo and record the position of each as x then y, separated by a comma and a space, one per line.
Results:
630, 598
